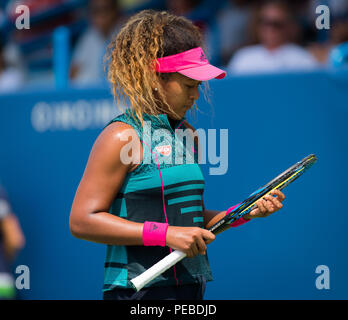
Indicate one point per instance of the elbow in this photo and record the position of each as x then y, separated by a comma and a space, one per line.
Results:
76, 226
74, 229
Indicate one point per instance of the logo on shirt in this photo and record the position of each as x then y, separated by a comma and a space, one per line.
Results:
164, 150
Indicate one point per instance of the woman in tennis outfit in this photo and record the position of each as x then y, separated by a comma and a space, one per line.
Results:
142, 189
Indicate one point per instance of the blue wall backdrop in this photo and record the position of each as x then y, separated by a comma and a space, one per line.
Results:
272, 121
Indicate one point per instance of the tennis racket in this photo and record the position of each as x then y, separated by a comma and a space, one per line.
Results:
278, 183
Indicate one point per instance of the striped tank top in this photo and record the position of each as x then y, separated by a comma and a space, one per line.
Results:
140, 199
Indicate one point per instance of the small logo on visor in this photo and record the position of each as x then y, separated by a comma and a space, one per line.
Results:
202, 57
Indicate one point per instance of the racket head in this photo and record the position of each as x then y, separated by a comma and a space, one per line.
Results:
278, 183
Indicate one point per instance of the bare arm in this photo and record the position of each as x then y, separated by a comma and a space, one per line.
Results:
101, 181
212, 216
13, 236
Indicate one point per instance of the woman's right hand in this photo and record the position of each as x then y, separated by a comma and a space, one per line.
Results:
190, 240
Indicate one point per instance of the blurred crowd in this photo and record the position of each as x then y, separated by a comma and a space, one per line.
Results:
243, 36
12, 241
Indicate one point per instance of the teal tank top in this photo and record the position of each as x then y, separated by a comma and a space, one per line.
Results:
140, 199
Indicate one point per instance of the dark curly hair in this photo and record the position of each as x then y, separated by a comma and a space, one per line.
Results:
132, 55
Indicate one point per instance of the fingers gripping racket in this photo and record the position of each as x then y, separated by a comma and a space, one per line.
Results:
278, 183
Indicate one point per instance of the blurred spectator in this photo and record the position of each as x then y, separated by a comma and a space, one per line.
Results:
338, 34
11, 240
130, 4
338, 8
186, 8
202, 14
276, 30
11, 77
182, 7
35, 43
233, 21
87, 61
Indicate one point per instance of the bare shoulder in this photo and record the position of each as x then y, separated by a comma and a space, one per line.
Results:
112, 139
117, 131
117, 134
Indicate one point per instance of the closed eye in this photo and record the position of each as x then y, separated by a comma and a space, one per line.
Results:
193, 86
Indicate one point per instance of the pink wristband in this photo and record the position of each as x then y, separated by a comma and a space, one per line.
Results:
238, 222
154, 233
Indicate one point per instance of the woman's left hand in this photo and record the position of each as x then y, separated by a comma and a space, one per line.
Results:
267, 205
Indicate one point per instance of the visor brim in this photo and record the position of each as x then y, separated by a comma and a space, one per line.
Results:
204, 73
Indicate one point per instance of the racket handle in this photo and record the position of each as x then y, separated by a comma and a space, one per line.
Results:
161, 266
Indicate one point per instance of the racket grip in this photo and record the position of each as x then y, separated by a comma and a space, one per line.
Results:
161, 266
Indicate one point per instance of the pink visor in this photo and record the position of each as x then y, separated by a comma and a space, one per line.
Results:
191, 63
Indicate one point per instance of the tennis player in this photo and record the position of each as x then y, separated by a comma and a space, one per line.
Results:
140, 200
